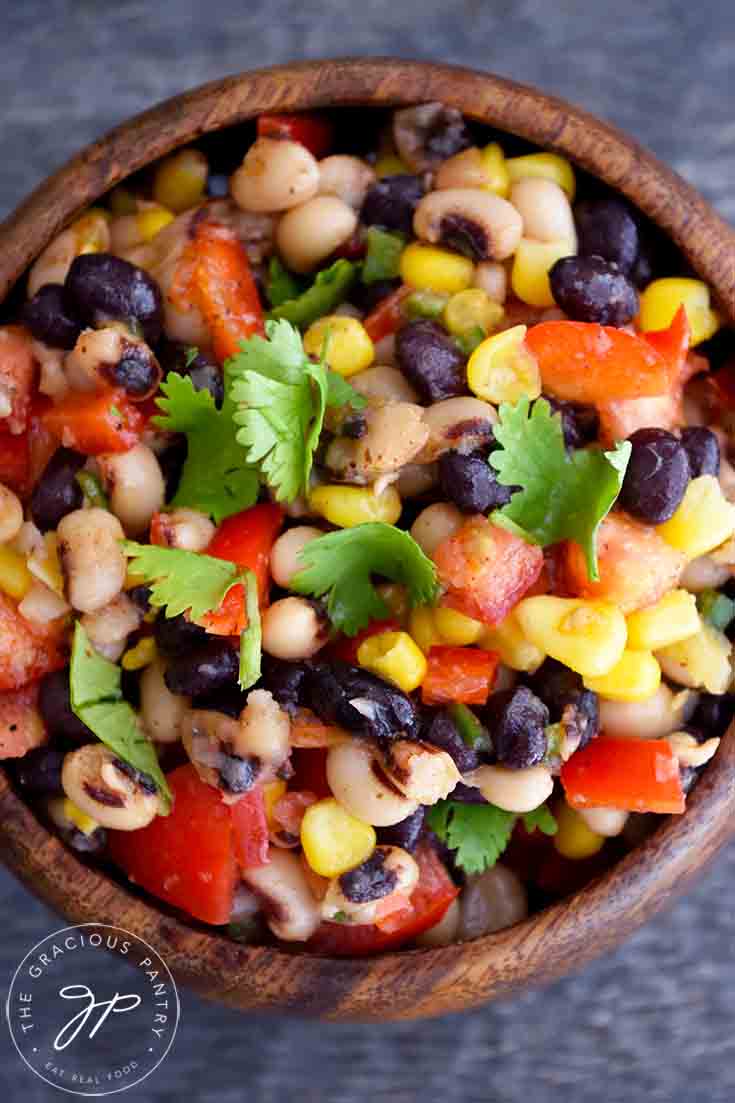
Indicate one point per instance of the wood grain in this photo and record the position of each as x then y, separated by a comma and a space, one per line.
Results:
562, 938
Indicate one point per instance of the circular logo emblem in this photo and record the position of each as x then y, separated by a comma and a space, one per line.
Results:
92, 1009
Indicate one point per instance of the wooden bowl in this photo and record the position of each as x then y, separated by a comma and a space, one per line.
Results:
564, 937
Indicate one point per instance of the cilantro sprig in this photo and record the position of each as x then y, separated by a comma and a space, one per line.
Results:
480, 833
341, 565
563, 496
97, 700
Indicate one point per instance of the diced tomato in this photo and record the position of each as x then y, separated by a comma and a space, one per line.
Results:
188, 858
462, 674
310, 771
17, 375
313, 131
387, 316
672, 343
246, 539
345, 649
27, 651
636, 565
429, 901
21, 726
223, 288
157, 531
486, 570
95, 423
584, 362
15, 461
250, 830
41, 441
637, 775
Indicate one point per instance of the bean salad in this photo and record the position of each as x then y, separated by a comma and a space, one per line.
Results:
367, 533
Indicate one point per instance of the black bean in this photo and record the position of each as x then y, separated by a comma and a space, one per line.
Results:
382, 711
57, 492
516, 719
391, 202
657, 476
171, 461
471, 483
448, 134
431, 361
177, 636
467, 794
354, 426
238, 774
39, 772
590, 289
406, 833
442, 732
366, 296
140, 597
607, 228
137, 371
54, 703
580, 424
49, 319
714, 714
284, 680
205, 374
130, 687
208, 669
564, 694
370, 880
230, 701
101, 287
703, 449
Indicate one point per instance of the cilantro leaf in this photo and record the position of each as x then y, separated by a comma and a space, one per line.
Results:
216, 478
342, 393
250, 640
329, 289
383, 257
340, 564
478, 833
183, 580
540, 819
96, 699
282, 285
562, 496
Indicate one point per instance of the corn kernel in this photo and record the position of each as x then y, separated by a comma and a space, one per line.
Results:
470, 310
348, 346
515, 650
455, 629
143, 654
395, 657
587, 636
671, 619
662, 298
45, 565
635, 677
574, 839
346, 506
151, 221
704, 520
496, 170
430, 269
700, 662
15, 578
79, 818
180, 180
395, 597
333, 840
122, 201
549, 166
390, 164
423, 629
502, 370
272, 793
92, 231
531, 265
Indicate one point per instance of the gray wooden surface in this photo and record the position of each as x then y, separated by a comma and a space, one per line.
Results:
654, 1021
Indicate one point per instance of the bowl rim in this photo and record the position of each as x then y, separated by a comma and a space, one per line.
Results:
566, 935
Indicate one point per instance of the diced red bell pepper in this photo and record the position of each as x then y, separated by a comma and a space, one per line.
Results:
250, 830
313, 131
310, 771
345, 649
223, 288
429, 901
17, 375
673, 342
21, 725
246, 539
387, 317
15, 461
486, 570
585, 362
458, 674
27, 651
95, 423
637, 775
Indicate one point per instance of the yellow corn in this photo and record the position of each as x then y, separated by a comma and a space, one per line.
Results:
496, 169
79, 818
348, 346
470, 310
550, 166
531, 265
515, 650
700, 662
390, 164
635, 677
333, 840
180, 180
395, 657
272, 793
574, 839
671, 619
346, 506
430, 269
395, 597
45, 565
15, 578
455, 629
92, 231
143, 654
704, 520
423, 629
502, 370
150, 221
122, 201
588, 636
662, 298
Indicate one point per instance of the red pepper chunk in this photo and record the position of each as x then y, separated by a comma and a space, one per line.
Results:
345, 649
458, 674
95, 423
245, 539
223, 287
313, 131
636, 775
387, 316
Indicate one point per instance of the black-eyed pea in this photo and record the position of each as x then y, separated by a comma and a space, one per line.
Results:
293, 629
359, 784
458, 424
291, 910
109, 627
545, 210
308, 234
348, 178
471, 221
276, 175
161, 711
114, 794
92, 560
435, 524
384, 384
135, 484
